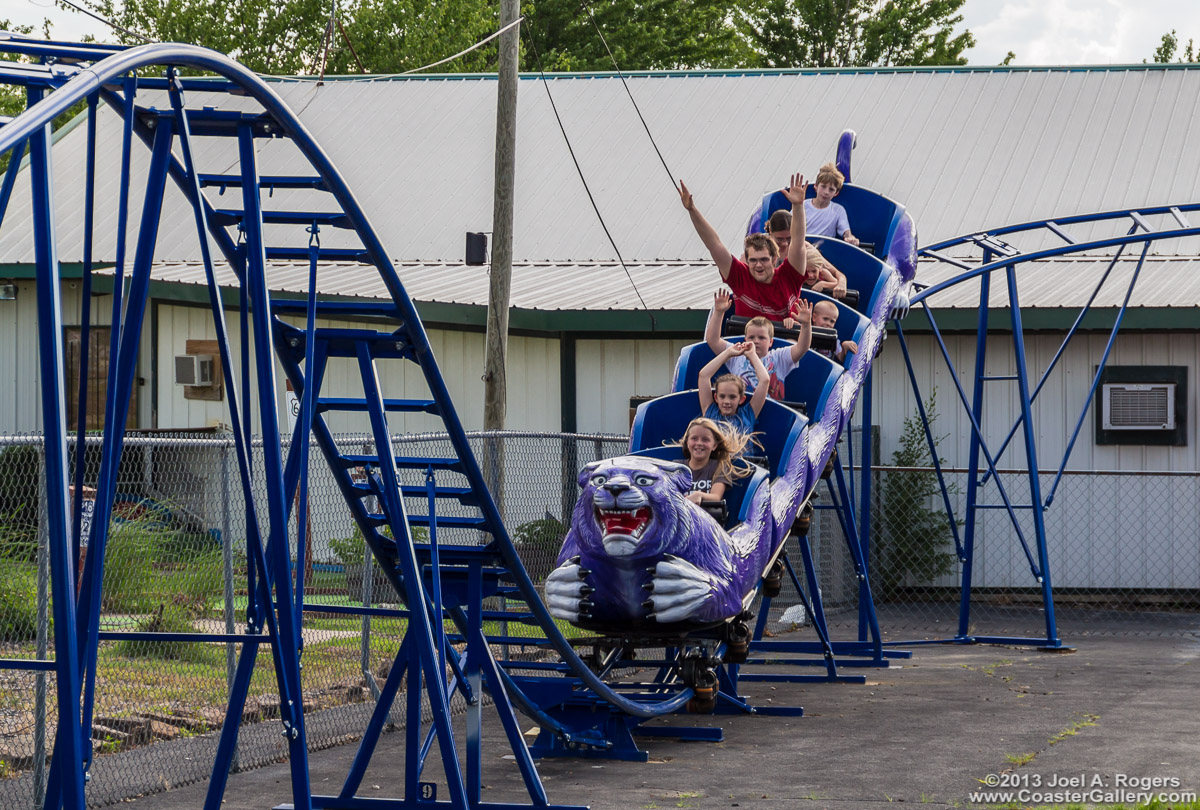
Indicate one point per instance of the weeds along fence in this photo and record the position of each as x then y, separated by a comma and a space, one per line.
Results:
175, 562
1120, 544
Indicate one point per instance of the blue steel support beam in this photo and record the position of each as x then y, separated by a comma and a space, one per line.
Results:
1061, 348
964, 605
69, 753
1049, 253
1112, 337
85, 327
1057, 222
864, 521
15, 158
1035, 485
978, 431
424, 657
120, 386
866, 598
287, 654
933, 453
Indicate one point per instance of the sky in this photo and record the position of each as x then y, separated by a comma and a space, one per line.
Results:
1040, 32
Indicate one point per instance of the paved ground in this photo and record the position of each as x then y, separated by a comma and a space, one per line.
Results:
926, 732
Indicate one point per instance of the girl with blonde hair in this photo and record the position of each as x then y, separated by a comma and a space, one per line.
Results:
710, 451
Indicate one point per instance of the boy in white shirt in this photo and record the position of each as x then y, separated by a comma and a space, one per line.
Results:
760, 333
824, 217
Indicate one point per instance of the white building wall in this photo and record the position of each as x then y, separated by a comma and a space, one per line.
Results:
1056, 411
533, 378
1103, 531
21, 397
609, 372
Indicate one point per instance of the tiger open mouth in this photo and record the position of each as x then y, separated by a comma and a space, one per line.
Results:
630, 522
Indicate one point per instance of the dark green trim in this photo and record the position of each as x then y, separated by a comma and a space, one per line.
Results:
670, 323
566, 381
746, 72
1058, 319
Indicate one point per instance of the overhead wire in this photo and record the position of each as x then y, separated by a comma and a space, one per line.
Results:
583, 5
554, 107
109, 23
384, 76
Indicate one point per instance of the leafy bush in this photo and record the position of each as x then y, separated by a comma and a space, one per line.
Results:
538, 542
915, 547
199, 585
18, 542
129, 574
19, 502
18, 600
148, 562
168, 618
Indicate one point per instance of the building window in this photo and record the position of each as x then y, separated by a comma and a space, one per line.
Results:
97, 378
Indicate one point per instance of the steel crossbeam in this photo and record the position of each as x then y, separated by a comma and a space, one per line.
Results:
998, 255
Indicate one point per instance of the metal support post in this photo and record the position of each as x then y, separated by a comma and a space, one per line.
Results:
964, 608
1035, 485
68, 758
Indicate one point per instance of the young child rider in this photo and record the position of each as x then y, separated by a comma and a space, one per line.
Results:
726, 401
827, 218
709, 451
760, 333
825, 315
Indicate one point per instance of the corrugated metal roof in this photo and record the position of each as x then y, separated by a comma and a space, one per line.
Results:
1164, 282
536, 285
964, 150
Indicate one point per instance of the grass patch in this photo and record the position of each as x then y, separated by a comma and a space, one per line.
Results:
1073, 729
1020, 759
172, 619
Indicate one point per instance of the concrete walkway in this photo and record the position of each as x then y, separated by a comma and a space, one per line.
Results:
927, 732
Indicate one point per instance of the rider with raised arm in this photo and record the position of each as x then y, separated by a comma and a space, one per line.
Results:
761, 287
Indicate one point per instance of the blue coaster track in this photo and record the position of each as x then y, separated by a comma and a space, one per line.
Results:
436, 580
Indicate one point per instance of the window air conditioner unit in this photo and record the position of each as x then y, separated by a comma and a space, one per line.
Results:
1134, 406
194, 369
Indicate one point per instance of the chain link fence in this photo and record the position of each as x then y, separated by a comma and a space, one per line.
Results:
1122, 553
1121, 545
176, 562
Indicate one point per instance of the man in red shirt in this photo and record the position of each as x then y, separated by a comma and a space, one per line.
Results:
761, 288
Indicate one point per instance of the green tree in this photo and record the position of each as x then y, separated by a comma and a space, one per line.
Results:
1166, 50
915, 546
654, 35
848, 33
287, 37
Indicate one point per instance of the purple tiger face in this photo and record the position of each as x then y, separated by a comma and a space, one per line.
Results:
633, 503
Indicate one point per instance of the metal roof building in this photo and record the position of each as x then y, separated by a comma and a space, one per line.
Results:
962, 148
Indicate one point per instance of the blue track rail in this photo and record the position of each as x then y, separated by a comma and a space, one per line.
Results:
579, 704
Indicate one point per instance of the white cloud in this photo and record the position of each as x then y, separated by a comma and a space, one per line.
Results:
1075, 32
66, 25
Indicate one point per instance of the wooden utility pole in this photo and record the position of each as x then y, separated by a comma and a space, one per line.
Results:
495, 391
495, 376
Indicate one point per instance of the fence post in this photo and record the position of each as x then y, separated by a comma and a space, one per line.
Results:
368, 576
227, 565
43, 634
